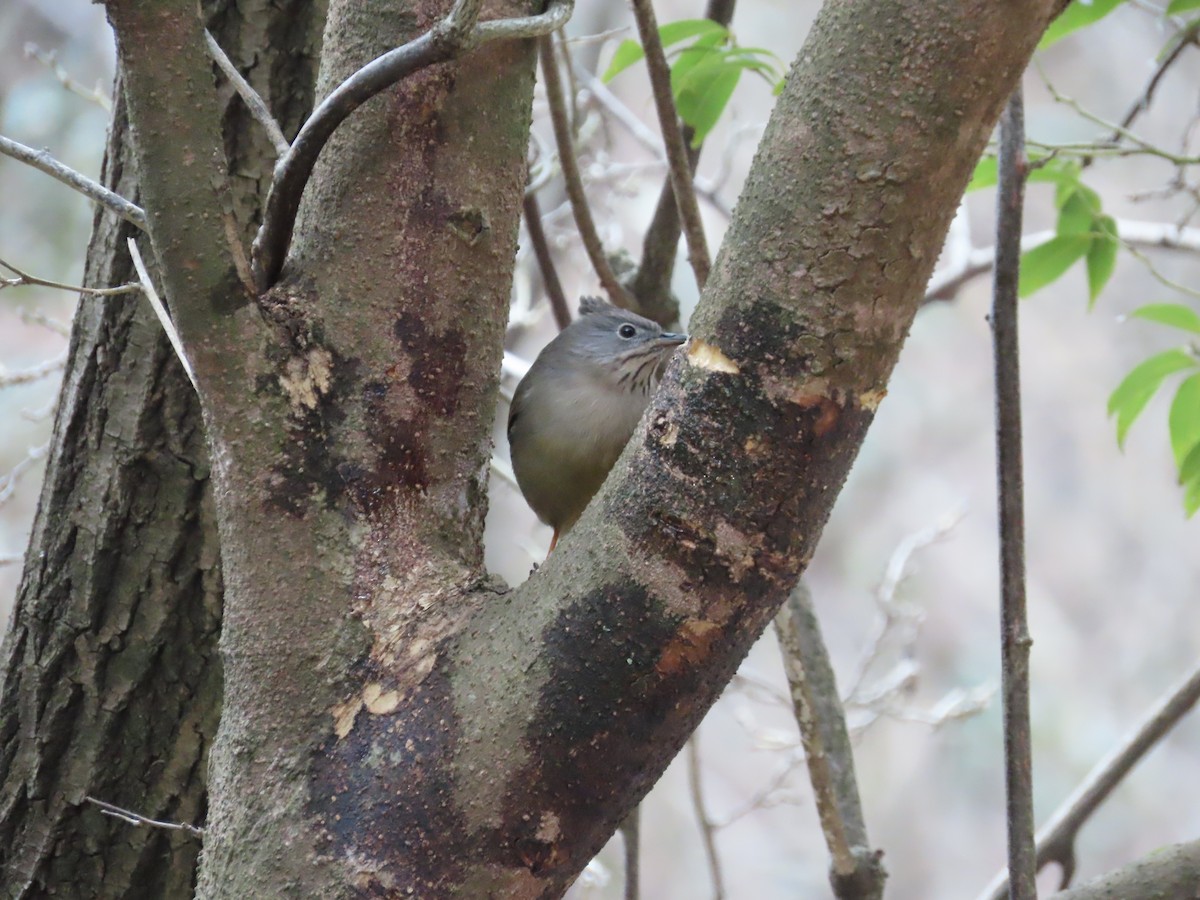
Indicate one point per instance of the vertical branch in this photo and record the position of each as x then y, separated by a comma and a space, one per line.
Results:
856, 871
707, 830
574, 181
1014, 638
678, 164
541, 250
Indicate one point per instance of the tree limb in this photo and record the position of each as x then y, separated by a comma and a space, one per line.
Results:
97, 193
1171, 873
254, 103
856, 870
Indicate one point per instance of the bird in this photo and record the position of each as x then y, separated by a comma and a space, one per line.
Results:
577, 406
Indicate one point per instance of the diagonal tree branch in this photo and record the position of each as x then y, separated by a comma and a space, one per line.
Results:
94, 191
254, 103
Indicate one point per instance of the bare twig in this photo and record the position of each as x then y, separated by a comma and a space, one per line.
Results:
34, 373
451, 36
708, 830
541, 250
574, 180
98, 193
24, 279
12, 560
1186, 38
856, 871
160, 311
680, 168
8, 482
132, 818
254, 103
1056, 839
49, 59
1014, 640
631, 841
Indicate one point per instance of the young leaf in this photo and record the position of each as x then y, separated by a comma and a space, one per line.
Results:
1189, 469
1135, 391
1047, 262
1075, 213
703, 94
1101, 256
985, 174
628, 53
1191, 497
1076, 16
1184, 419
674, 32
1174, 314
1175, 7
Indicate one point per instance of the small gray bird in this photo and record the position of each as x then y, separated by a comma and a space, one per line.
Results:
576, 408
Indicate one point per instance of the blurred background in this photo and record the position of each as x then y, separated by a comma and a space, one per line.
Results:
1112, 562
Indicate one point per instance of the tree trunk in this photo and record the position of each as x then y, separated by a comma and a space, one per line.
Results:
111, 676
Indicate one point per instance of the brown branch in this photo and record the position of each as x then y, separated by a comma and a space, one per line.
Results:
856, 871
573, 180
1187, 37
24, 279
254, 103
1056, 839
652, 283
541, 250
708, 830
679, 165
450, 37
1014, 639
631, 842
94, 191
49, 59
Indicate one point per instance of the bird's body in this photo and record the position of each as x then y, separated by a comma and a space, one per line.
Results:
578, 405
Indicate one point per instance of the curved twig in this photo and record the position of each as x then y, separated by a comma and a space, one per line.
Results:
455, 34
708, 831
93, 190
541, 250
679, 168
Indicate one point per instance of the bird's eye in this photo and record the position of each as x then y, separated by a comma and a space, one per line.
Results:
627, 331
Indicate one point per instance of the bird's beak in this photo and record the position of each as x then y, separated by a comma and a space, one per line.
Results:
671, 337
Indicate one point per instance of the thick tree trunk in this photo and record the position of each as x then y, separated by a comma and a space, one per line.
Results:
111, 676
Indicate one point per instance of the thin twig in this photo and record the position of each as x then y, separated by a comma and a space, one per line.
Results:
8, 482
1188, 37
34, 373
541, 250
1056, 839
574, 180
132, 818
49, 59
677, 153
451, 36
254, 103
24, 279
856, 871
160, 311
1014, 639
631, 840
93, 190
708, 831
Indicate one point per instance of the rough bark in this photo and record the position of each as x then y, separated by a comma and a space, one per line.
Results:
111, 677
1171, 873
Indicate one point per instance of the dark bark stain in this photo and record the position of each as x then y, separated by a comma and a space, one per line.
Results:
383, 794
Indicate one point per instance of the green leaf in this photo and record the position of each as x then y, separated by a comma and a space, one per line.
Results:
1135, 391
1175, 7
1183, 421
704, 93
1047, 262
1174, 314
1101, 256
1076, 16
1191, 498
628, 53
1075, 214
704, 50
674, 32
1189, 469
